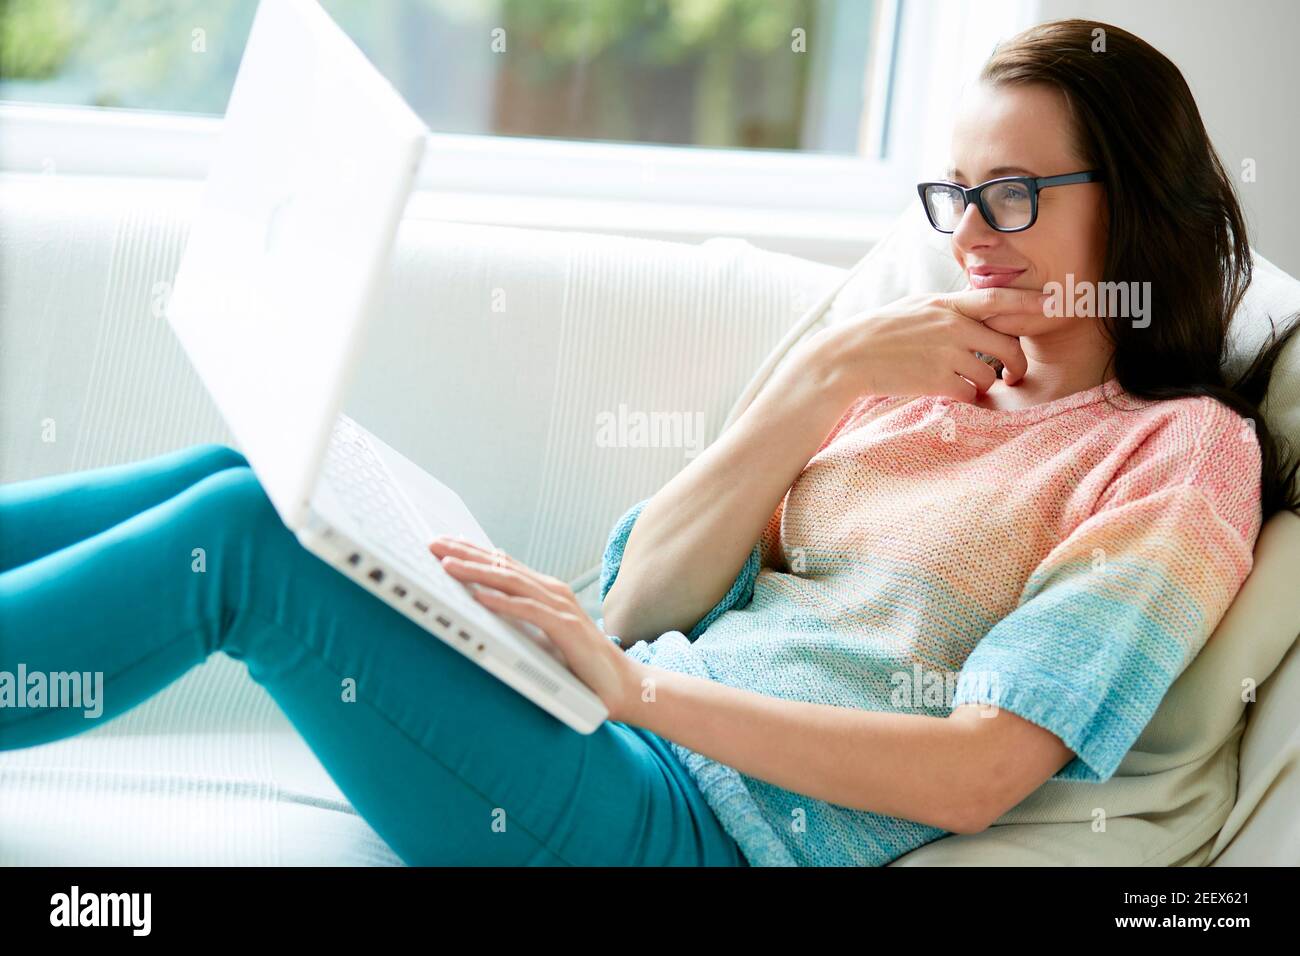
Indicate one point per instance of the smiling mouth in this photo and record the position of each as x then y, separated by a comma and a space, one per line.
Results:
993, 278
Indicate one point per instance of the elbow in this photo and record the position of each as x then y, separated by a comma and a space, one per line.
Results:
974, 815
971, 823
984, 778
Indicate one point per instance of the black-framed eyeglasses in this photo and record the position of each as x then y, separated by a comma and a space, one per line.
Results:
1009, 204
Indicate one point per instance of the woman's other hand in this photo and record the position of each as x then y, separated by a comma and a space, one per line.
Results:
510, 588
925, 344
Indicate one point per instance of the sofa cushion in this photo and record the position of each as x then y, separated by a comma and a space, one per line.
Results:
1175, 789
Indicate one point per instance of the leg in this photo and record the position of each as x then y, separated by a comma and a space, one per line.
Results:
40, 516
448, 764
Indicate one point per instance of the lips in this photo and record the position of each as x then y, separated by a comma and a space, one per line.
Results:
992, 277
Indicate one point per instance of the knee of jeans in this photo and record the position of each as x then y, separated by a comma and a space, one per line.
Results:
219, 456
237, 499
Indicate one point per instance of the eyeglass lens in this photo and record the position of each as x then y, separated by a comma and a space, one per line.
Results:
1008, 205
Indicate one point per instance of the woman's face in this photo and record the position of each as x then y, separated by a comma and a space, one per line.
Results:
1024, 130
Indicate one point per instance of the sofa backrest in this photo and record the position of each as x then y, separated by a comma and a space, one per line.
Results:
516, 365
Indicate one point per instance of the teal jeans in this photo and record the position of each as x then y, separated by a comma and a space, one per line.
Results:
138, 572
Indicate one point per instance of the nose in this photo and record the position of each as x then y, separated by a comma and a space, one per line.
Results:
972, 231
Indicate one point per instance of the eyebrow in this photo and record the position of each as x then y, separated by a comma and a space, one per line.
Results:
996, 173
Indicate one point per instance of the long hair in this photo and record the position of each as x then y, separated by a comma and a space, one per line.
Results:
1174, 220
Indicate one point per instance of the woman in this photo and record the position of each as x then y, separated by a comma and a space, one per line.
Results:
886, 517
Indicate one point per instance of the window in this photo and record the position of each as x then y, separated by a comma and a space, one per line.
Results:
800, 125
753, 74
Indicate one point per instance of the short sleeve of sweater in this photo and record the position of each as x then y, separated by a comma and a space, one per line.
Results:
738, 595
741, 591
1116, 611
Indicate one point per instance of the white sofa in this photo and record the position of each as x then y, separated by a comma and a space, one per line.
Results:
494, 353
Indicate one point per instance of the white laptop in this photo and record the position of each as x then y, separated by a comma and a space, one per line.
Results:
272, 301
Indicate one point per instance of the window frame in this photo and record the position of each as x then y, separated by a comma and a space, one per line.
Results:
828, 207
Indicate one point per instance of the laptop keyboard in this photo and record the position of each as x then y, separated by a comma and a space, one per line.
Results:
363, 485
365, 488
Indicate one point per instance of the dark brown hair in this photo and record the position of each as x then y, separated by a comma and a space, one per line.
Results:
1173, 217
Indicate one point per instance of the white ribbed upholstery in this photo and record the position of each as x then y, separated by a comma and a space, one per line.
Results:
500, 405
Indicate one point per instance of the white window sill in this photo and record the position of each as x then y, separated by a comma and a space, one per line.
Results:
828, 208
838, 239
835, 239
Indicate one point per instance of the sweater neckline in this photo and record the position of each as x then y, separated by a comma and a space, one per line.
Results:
1031, 413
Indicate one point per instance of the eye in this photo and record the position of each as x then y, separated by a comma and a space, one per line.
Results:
1010, 193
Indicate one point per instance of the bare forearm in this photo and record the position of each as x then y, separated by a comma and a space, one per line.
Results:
911, 766
693, 537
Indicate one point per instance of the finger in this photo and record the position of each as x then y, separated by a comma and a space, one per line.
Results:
978, 372
515, 580
984, 304
960, 389
1006, 348
1029, 323
561, 626
462, 547
509, 580
443, 546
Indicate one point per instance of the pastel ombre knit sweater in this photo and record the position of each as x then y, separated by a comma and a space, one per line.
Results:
1064, 562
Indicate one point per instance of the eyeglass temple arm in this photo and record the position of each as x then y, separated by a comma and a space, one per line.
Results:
1069, 179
